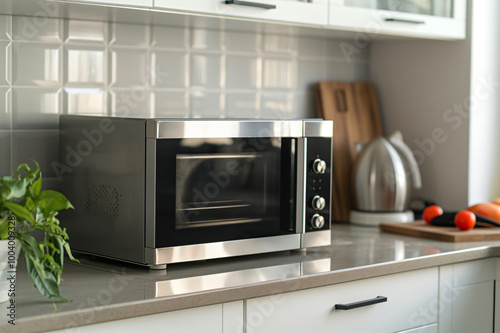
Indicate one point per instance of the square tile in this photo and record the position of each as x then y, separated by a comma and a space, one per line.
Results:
5, 143
128, 67
5, 108
5, 27
278, 73
36, 28
279, 44
86, 31
241, 42
170, 37
205, 39
242, 105
5, 60
309, 73
129, 103
85, 101
169, 69
35, 108
277, 105
169, 104
84, 65
312, 47
35, 64
206, 104
205, 71
129, 34
242, 72
41, 146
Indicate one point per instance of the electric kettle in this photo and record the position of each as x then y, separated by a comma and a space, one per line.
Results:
384, 174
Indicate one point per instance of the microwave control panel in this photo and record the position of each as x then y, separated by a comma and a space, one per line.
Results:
318, 180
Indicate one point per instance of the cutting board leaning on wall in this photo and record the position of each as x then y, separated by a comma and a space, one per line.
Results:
353, 107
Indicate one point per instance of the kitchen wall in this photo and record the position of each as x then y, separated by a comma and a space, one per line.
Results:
54, 66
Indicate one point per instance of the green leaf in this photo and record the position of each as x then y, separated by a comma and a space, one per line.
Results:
68, 251
4, 227
49, 201
45, 283
13, 188
37, 185
57, 243
19, 211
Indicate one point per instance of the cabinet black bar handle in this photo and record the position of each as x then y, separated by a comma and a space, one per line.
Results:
378, 299
249, 3
389, 19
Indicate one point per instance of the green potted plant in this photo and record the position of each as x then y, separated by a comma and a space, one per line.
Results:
24, 209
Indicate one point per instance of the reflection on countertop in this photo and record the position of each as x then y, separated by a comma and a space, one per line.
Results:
103, 289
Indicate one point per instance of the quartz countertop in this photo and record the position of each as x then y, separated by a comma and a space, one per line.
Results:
102, 290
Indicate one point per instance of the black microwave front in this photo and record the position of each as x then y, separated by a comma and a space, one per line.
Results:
161, 191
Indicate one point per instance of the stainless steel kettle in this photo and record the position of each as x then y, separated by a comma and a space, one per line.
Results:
384, 174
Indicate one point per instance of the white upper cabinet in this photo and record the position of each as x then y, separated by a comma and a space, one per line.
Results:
440, 19
294, 11
135, 3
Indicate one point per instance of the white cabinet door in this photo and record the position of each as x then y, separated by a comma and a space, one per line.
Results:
295, 11
408, 294
135, 3
473, 308
207, 319
370, 17
466, 297
424, 329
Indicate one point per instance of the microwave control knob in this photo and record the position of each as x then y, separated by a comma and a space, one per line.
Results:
317, 221
319, 166
318, 203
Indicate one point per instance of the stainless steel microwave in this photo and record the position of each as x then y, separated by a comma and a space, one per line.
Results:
161, 191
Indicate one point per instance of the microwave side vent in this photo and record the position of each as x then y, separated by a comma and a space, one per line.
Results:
102, 200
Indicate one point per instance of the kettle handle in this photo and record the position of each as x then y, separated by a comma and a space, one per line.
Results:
410, 159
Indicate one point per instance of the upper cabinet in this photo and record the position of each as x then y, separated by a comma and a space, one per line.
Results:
440, 19
293, 11
135, 3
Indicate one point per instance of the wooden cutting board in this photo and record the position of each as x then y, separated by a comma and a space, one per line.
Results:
447, 234
353, 107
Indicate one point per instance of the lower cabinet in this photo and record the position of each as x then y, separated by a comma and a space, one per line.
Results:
207, 319
467, 297
358, 306
448, 299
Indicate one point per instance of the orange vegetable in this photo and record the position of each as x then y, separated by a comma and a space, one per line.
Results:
487, 209
496, 201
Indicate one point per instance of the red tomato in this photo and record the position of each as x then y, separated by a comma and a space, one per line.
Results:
465, 220
431, 212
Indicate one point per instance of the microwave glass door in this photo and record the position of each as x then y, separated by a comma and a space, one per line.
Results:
212, 190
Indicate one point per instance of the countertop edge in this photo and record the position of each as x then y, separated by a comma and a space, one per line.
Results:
101, 314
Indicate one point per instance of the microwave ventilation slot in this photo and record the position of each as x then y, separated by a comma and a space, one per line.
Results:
102, 200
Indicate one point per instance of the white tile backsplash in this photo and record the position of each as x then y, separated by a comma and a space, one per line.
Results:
41, 29
35, 108
5, 71
36, 64
41, 146
84, 65
243, 72
128, 67
50, 67
206, 71
5, 149
5, 109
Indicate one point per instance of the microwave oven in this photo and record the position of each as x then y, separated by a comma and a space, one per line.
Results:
161, 191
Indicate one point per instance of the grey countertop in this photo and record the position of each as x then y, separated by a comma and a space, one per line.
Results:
102, 290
